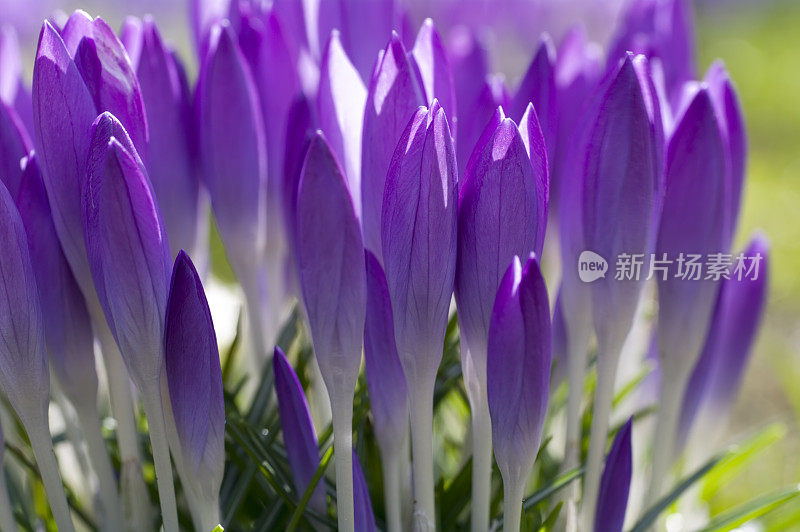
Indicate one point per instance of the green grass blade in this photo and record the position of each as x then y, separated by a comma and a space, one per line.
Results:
301, 506
750, 510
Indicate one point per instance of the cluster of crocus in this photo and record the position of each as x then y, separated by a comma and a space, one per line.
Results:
376, 182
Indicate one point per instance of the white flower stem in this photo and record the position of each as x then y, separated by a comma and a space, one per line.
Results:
481, 462
512, 504
135, 500
209, 516
392, 488
420, 402
7, 521
342, 408
673, 385
42, 444
98, 455
607, 360
160, 445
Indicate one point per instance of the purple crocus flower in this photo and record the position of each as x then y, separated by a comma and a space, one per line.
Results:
299, 129
393, 97
612, 193
737, 314
493, 93
433, 68
130, 263
194, 381
13, 91
340, 105
419, 229
204, 14
330, 253
169, 156
695, 223
577, 72
299, 437
615, 484
662, 30
538, 86
107, 72
24, 377
499, 216
518, 378
230, 122
388, 394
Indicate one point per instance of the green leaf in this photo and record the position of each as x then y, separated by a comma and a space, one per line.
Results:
652, 514
750, 510
301, 506
732, 464
545, 492
550, 521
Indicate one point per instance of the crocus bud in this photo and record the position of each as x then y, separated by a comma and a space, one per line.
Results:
63, 112
538, 86
204, 14
299, 129
393, 97
433, 67
120, 215
419, 240
661, 29
385, 380
299, 437
493, 93
734, 325
532, 136
330, 253
498, 217
577, 71
194, 380
107, 72
14, 145
340, 105
615, 484
232, 148
560, 343
729, 111
68, 333
518, 376
362, 41
24, 378
168, 155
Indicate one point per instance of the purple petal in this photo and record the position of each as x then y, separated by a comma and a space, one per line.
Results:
386, 382
419, 238
10, 64
737, 315
109, 76
538, 86
518, 367
131, 35
63, 114
194, 377
498, 216
695, 219
393, 97
77, 26
340, 104
620, 166
14, 145
493, 94
298, 429
169, 160
363, 40
615, 483
534, 141
299, 128
433, 67
204, 14
128, 255
24, 377
559, 335
230, 123
364, 519
330, 257
729, 109
67, 329
577, 72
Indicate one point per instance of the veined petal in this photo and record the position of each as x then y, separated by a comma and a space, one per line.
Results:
433, 67
538, 86
330, 257
14, 145
615, 483
393, 97
194, 377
